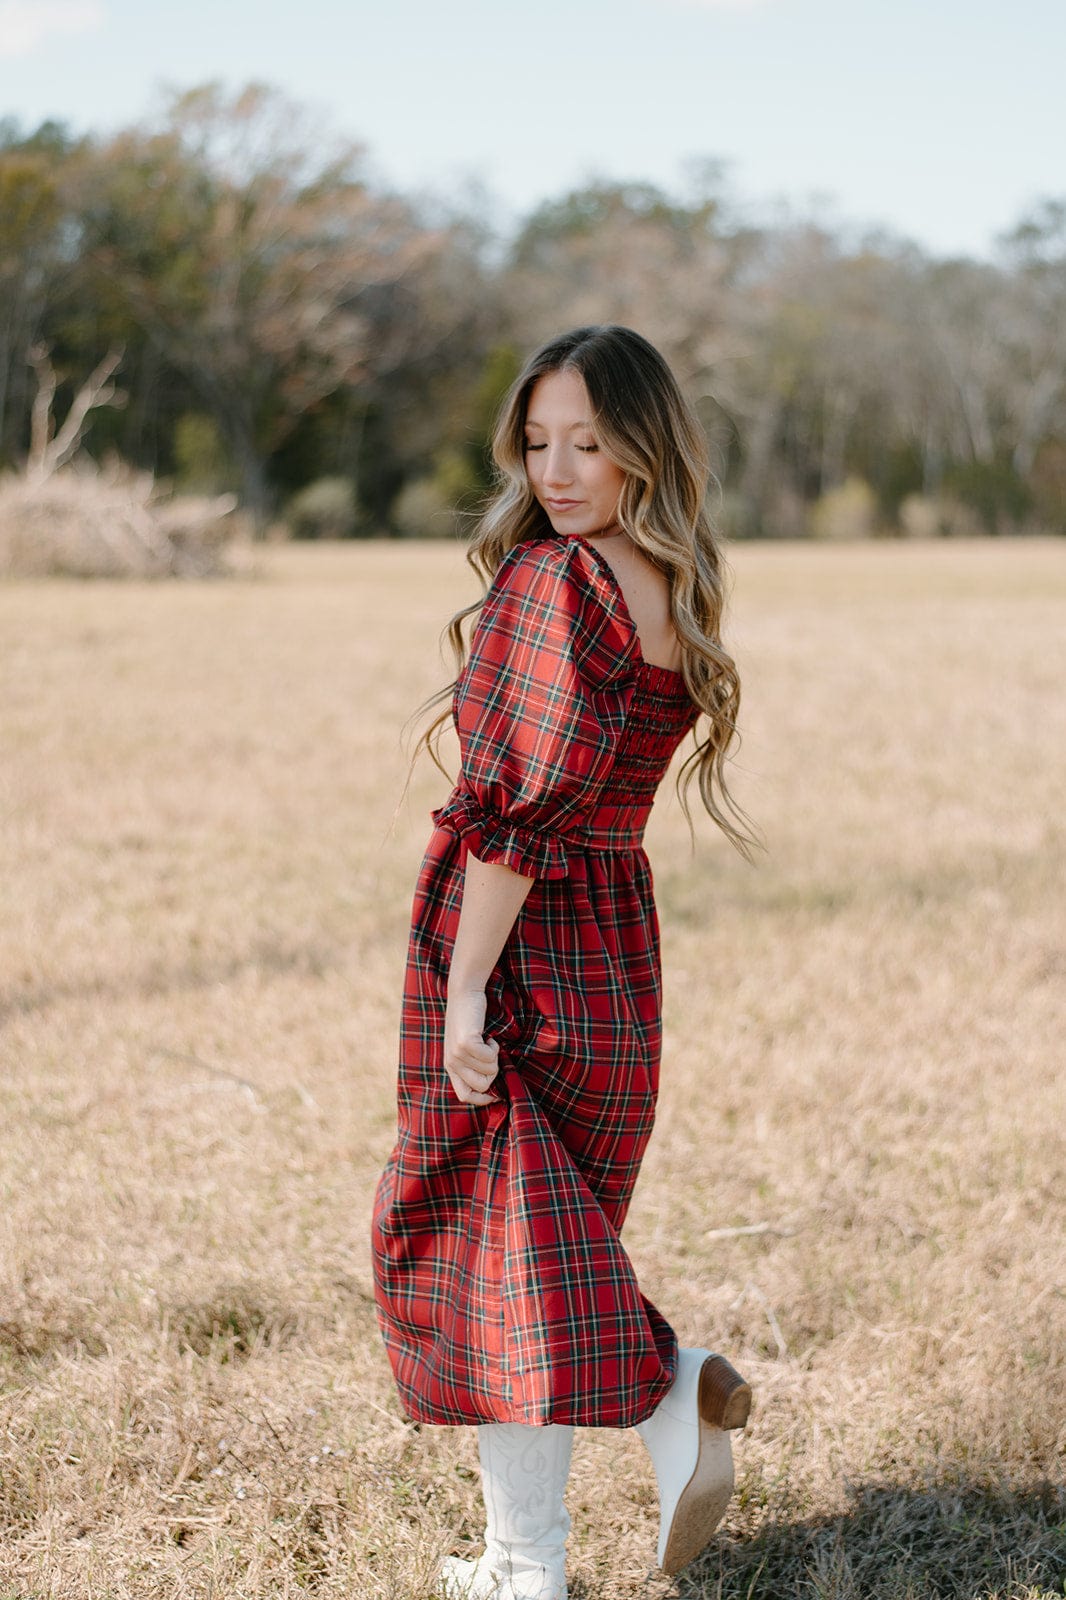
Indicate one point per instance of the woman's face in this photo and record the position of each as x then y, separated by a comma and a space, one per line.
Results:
570, 476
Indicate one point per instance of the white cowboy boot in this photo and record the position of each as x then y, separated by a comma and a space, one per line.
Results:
688, 1439
524, 1469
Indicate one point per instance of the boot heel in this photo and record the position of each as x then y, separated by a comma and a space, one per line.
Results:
725, 1397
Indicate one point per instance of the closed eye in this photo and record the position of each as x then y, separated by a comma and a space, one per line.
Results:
586, 449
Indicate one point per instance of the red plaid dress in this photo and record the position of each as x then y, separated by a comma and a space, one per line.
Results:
504, 1293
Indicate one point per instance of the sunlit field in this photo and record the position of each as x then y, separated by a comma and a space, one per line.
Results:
856, 1186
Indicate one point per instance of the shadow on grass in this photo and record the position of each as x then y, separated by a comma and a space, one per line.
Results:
952, 1542
35, 1332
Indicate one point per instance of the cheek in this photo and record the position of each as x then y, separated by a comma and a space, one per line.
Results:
608, 479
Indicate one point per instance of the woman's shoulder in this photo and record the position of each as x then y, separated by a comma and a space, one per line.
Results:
545, 553
570, 586
578, 570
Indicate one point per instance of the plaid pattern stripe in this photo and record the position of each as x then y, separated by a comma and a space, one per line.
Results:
503, 1290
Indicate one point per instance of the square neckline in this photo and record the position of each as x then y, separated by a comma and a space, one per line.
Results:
669, 674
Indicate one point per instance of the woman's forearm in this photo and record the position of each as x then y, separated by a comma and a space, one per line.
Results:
493, 896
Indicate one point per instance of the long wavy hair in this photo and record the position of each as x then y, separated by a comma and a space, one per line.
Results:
642, 422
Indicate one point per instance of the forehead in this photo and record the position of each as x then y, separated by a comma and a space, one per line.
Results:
559, 398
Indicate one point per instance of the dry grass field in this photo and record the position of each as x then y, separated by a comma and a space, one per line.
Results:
857, 1182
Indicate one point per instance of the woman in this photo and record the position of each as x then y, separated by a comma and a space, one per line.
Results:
531, 1024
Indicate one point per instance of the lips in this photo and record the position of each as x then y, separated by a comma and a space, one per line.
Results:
562, 505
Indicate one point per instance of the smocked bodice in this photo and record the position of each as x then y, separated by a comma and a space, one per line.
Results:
660, 714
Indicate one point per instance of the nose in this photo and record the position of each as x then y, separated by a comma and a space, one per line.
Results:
557, 469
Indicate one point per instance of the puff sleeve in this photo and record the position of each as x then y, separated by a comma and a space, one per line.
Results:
539, 708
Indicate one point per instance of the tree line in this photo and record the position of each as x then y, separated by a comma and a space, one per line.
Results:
334, 352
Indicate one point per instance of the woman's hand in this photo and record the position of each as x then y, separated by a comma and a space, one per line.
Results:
470, 1060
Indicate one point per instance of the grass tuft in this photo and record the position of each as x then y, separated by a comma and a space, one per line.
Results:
235, 1324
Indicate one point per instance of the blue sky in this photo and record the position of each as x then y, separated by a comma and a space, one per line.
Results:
940, 120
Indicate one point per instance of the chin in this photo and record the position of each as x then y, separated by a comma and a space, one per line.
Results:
563, 523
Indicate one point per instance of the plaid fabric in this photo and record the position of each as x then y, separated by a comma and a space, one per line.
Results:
503, 1290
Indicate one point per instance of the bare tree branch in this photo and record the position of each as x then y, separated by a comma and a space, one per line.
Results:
48, 453
41, 415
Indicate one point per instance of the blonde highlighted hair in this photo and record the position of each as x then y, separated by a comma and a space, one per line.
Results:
642, 422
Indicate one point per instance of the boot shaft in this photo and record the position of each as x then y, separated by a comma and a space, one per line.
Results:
524, 1471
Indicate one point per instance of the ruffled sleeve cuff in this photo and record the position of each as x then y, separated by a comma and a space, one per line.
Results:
533, 852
